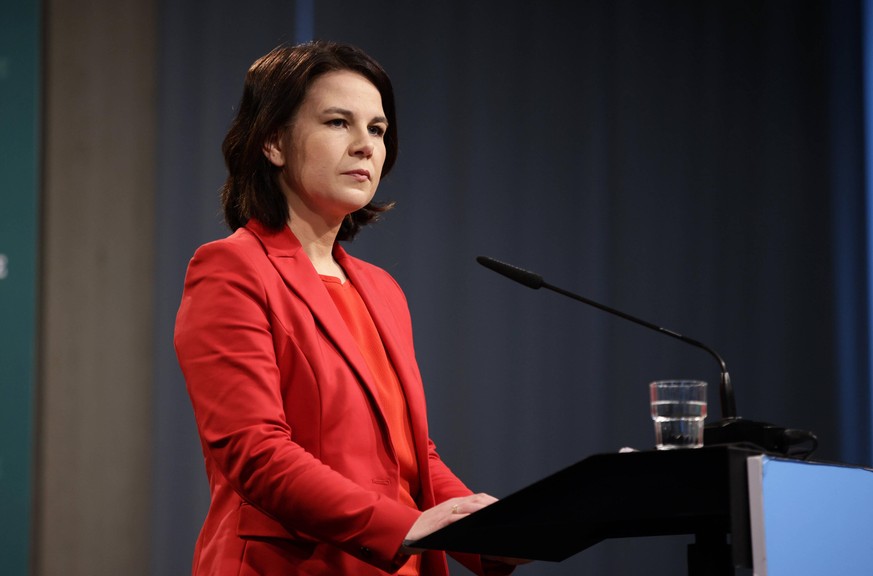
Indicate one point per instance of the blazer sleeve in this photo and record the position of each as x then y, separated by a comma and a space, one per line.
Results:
225, 346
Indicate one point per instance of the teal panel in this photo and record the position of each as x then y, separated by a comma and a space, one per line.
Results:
20, 37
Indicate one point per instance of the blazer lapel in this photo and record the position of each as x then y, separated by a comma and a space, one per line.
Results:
397, 343
293, 265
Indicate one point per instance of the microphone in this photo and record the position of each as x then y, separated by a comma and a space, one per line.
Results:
730, 429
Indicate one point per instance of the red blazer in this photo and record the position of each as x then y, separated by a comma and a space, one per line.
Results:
302, 475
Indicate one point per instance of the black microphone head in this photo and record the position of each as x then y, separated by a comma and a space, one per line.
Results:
529, 279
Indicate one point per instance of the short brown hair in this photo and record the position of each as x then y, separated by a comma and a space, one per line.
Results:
275, 86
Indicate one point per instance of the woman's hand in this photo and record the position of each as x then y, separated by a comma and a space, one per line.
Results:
453, 510
445, 513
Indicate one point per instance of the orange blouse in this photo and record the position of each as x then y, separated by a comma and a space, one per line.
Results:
391, 397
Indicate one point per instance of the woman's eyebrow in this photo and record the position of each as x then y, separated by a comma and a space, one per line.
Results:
338, 110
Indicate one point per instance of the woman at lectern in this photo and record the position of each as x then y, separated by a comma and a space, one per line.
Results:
298, 357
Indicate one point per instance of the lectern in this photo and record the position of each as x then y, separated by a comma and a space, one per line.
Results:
703, 492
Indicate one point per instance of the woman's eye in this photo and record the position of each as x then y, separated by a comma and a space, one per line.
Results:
377, 130
337, 122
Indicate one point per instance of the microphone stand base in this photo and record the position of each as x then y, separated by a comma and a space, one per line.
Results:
770, 438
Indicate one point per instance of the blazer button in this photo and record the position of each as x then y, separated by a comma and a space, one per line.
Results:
366, 552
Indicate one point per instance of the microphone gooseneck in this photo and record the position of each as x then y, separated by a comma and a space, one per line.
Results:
535, 281
730, 429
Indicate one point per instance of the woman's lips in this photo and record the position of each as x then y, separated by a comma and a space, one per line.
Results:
359, 175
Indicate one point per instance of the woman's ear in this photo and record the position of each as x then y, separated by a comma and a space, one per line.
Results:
274, 149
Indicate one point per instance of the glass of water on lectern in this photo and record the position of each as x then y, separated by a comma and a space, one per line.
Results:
678, 409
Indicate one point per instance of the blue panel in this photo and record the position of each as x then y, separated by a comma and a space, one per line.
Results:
867, 35
817, 519
304, 20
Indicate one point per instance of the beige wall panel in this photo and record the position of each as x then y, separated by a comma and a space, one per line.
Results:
95, 408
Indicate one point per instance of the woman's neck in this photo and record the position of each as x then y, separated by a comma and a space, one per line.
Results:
318, 245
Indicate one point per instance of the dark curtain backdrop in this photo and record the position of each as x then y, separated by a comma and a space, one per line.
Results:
697, 164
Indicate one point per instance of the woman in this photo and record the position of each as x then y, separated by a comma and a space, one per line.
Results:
298, 358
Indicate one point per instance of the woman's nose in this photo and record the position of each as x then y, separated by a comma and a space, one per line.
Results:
362, 145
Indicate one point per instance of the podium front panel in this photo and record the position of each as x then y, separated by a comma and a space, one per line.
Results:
809, 519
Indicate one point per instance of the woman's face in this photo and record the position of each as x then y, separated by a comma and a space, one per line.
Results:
333, 151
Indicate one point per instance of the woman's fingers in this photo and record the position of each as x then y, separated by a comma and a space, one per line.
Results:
447, 512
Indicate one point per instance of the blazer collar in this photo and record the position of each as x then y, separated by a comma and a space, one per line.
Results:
293, 265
